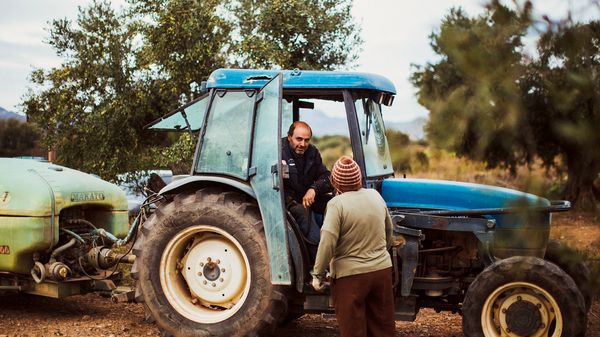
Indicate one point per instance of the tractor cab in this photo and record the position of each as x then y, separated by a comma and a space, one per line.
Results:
224, 115
243, 117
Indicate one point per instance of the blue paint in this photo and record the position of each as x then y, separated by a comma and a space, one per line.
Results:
298, 79
443, 194
451, 195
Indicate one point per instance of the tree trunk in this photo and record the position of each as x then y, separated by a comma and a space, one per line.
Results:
579, 189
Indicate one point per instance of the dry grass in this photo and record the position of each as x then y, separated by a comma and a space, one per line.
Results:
582, 232
447, 166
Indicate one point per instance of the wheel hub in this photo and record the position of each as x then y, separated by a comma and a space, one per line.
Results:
523, 318
524, 313
208, 270
521, 309
211, 271
205, 274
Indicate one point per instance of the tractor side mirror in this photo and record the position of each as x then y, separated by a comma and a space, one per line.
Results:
383, 98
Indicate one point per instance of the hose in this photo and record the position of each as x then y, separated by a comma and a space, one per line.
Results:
134, 227
73, 234
62, 248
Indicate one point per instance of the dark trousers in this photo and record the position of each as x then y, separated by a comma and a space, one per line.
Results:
308, 221
364, 304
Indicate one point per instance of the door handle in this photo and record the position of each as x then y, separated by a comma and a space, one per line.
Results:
274, 177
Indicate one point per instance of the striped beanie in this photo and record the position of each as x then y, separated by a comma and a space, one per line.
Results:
345, 175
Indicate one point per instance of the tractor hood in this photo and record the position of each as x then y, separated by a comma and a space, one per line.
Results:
522, 219
31, 188
451, 195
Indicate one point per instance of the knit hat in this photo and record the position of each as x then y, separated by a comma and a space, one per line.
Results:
346, 176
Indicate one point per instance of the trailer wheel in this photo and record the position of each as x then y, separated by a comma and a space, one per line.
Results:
204, 267
573, 264
523, 296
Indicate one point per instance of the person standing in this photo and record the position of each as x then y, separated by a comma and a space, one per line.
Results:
355, 238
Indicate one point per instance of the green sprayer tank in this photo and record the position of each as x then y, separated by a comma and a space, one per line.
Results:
44, 206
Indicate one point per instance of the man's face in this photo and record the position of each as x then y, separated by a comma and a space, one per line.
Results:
300, 140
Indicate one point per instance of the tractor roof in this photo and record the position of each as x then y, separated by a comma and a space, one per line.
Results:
299, 79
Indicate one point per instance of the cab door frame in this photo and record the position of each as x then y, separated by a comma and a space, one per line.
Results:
266, 178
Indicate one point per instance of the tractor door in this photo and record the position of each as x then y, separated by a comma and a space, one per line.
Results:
266, 179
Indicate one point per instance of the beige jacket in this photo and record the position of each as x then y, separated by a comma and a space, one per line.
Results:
356, 234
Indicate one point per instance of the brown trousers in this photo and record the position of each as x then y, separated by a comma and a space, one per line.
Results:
364, 304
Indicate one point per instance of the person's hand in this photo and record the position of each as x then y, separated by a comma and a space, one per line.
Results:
318, 283
309, 198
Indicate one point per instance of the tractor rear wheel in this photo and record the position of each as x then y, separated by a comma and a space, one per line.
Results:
203, 267
523, 296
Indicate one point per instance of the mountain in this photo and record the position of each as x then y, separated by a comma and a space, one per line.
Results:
5, 114
413, 128
326, 125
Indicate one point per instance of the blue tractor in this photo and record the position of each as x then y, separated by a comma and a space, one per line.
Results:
221, 256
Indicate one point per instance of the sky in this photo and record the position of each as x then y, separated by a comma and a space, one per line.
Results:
395, 35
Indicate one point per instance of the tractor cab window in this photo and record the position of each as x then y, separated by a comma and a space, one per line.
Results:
226, 143
372, 136
186, 118
287, 116
326, 115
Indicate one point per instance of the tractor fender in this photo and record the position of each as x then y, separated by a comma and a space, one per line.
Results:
193, 182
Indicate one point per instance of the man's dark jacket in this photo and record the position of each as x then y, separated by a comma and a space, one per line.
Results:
306, 171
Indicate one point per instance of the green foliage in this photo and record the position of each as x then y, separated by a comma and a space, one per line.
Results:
489, 101
178, 156
332, 147
91, 107
183, 42
17, 138
561, 92
122, 70
473, 93
305, 34
406, 156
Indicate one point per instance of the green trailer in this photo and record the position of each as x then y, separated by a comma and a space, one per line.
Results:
57, 227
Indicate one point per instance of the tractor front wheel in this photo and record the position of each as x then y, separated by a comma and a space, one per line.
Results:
204, 267
523, 296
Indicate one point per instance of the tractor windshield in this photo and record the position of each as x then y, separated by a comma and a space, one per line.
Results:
372, 135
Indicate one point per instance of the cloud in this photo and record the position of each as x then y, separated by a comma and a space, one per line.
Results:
396, 35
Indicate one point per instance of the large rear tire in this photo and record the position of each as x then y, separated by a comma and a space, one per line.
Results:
203, 267
523, 296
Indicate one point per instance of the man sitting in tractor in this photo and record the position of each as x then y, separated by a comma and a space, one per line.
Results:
307, 189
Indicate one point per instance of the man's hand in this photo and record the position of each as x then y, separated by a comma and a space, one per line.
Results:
317, 283
309, 198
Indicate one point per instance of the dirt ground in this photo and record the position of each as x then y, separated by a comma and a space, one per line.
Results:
93, 315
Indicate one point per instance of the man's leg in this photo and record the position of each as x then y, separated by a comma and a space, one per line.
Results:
308, 227
318, 218
379, 305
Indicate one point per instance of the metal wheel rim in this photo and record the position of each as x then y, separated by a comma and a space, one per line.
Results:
187, 292
493, 323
